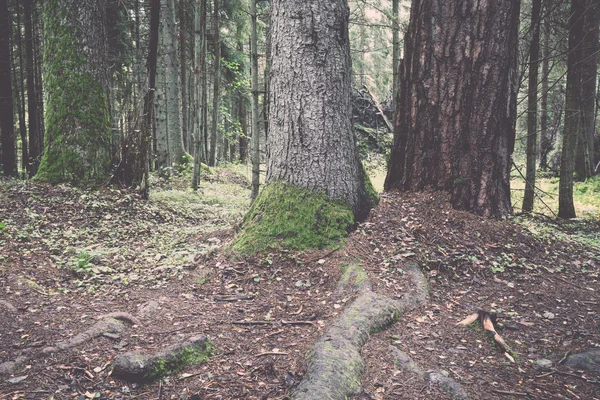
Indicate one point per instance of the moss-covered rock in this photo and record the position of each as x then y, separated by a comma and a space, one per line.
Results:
140, 367
283, 216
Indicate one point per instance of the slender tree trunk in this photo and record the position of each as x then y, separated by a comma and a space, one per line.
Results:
588, 89
216, 85
172, 85
200, 23
21, 93
243, 138
7, 128
35, 150
532, 100
395, 55
183, 73
77, 142
545, 143
254, 102
452, 132
38, 36
573, 120
312, 144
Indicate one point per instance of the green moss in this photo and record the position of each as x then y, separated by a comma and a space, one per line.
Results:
370, 190
189, 355
284, 216
77, 140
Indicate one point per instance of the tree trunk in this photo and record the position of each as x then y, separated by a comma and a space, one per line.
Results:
216, 83
254, 103
21, 93
162, 132
35, 150
395, 54
452, 132
78, 139
183, 73
243, 138
311, 144
573, 120
545, 142
7, 127
532, 100
200, 50
172, 86
588, 90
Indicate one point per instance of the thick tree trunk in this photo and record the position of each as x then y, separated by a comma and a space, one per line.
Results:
183, 73
311, 144
21, 93
200, 50
532, 100
35, 149
78, 139
573, 118
7, 127
585, 155
395, 53
216, 85
451, 131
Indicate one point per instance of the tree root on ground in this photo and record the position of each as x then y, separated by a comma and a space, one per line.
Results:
138, 367
453, 388
588, 361
334, 362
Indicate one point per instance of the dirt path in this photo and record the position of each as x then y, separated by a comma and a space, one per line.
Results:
70, 257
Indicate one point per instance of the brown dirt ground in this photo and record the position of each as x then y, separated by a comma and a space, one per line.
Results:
543, 272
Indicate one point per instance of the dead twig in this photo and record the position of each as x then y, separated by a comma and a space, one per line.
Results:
562, 360
510, 393
233, 297
272, 353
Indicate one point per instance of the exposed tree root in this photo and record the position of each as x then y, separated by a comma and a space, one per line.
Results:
452, 387
334, 362
138, 367
588, 361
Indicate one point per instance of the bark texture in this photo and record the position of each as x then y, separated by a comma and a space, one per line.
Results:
35, 132
212, 159
456, 110
573, 117
311, 143
7, 128
532, 99
77, 142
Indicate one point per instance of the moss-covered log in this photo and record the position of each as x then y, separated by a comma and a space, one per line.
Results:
139, 367
334, 362
77, 119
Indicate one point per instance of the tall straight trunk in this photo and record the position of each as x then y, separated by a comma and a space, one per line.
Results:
21, 93
183, 74
162, 131
588, 90
38, 37
452, 132
78, 138
532, 100
311, 144
200, 50
172, 85
35, 150
7, 127
243, 138
395, 53
216, 85
573, 121
545, 142
254, 102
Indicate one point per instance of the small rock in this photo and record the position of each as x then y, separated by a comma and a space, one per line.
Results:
17, 379
548, 315
543, 363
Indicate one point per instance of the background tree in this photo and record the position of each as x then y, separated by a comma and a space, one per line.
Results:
452, 132
78, 139
7, 129
36, 135
311, 147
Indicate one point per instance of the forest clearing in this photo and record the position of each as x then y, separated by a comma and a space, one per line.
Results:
299, 199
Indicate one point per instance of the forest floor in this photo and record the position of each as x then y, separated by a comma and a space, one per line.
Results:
70, 256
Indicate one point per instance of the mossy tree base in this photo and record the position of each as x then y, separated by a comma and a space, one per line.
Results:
283, 216
138, 367
334, 362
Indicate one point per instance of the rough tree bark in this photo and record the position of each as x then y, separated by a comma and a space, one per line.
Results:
532, 100
545, 142
77, 142
21, 92
183, 74
35, 147
456, 113
7, 128
216, 85
311, 143
573, 121
200, 50
254, 103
